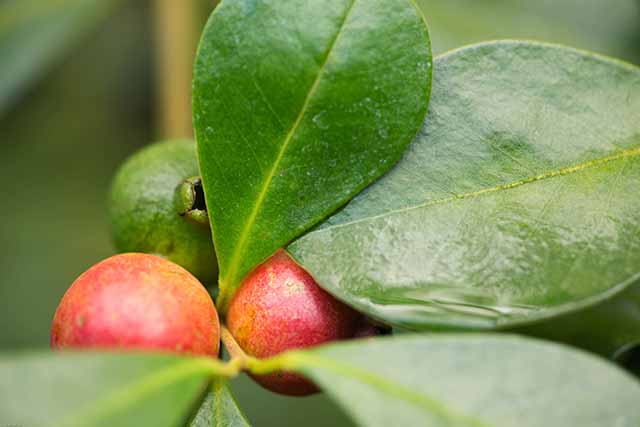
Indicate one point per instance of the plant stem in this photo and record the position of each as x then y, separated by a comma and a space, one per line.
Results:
175, 40
232, 346
242, 361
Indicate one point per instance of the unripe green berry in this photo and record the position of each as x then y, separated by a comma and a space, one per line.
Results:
157, 206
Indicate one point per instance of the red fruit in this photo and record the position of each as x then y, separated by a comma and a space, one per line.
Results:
137, 301
280, 307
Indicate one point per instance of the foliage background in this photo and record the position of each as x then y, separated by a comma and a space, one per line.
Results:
121, 84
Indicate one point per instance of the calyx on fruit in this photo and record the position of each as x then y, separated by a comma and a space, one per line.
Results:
189, 201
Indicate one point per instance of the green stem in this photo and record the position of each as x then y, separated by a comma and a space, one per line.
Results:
231, 344
252, 364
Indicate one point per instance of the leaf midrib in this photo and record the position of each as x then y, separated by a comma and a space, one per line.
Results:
217, 402
301, 360
244, 234
219, 387
629, 153
127, 395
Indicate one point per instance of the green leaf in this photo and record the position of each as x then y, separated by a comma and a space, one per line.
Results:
517, 201
611, 27
219, 409
471, 381
34, 33
298, 106
610, 328
93, 389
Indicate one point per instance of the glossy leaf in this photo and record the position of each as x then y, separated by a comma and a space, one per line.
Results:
517, 201
91, 389
471, 381
299, 105
219, 409
34, 33
611, 27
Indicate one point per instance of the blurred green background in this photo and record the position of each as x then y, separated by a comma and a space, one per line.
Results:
84, 83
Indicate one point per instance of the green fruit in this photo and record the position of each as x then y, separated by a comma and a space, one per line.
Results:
157, 206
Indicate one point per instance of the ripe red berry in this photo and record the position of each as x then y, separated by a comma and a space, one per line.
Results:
280, 307
137, 301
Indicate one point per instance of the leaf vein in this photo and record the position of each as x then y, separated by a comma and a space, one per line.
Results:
217, 402
421, 400
137, 390
244, 235
591, 164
